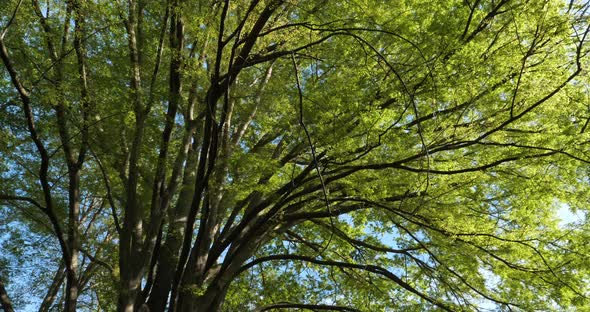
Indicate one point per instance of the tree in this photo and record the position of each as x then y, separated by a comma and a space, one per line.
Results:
296, 155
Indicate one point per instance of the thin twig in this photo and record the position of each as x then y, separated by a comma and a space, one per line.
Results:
5, 30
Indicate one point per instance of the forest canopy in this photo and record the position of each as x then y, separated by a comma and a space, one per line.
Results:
291, 155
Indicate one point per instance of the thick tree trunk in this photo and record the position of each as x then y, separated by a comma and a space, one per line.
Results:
73, 241
170, 249
210, 302
167, 262
131, 240
4, 299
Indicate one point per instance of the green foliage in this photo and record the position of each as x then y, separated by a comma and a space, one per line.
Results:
383, 156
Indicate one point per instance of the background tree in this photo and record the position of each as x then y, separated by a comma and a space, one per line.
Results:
282, 155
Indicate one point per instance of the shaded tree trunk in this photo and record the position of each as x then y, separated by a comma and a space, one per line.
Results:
4, 299
51, 294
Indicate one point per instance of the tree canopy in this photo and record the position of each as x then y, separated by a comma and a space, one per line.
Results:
294, 155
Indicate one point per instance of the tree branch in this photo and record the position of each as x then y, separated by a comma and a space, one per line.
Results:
365, 267
23, 198
312, 307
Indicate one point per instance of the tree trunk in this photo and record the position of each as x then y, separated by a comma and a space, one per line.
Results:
4, 299
53, 289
